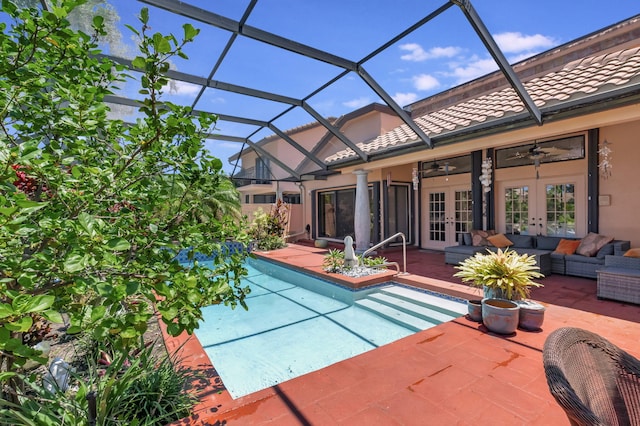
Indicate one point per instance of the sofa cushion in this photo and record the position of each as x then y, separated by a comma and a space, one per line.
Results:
499, 240
578, 258
465, 239
547, 243
568, 246
470, 250
606, 250
479, 237
634, 252
593, 242
521, 241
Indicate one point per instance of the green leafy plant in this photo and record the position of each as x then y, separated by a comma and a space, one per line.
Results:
333, 261
134, 388
510, 273
267, 229
93, 210
373, 261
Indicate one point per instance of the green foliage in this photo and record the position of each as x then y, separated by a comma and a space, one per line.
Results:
508, 271
333, 261
267, 229
373, 261
131, 389
93, 210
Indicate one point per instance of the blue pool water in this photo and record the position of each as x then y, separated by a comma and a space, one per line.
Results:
297, 323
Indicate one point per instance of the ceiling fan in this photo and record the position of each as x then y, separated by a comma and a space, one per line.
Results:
536, 152
439, 167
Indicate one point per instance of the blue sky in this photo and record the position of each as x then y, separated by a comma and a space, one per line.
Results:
443, 53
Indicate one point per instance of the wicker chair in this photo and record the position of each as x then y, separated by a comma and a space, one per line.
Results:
594, 381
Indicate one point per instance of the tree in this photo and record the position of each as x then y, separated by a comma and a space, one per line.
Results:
93, 211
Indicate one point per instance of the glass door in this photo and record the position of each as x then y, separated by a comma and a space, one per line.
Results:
398, 218
447, 213
553, 206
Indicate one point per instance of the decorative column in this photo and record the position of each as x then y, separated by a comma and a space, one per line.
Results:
362, 217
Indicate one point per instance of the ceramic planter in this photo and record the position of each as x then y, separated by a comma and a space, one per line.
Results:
321, 243
500, 315
474, 307
531, 315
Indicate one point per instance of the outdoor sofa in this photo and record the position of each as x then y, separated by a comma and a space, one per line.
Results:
544, 249
619, 279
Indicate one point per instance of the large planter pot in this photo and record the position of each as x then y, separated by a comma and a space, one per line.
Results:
531, 315
494, 293
500, 316
474, 307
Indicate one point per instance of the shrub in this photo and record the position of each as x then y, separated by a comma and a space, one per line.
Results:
268, 229
92, 209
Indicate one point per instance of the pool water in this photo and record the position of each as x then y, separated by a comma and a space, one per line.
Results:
297, 323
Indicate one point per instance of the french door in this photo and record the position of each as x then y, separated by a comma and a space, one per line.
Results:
447, 213
552, 206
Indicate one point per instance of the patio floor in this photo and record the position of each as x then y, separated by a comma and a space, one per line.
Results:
456, 373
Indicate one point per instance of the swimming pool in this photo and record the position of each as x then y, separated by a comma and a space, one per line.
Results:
298, 323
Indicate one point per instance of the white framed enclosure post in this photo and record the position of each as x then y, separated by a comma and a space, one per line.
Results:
362, 216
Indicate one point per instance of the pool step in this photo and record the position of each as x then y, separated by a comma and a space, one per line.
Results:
412, 309
446, 306
395, 315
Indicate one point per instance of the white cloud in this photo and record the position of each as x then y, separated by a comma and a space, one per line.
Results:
403, 99
475, 68
515, 42
218, 100
425, 82
357, 103
181, 88
418, 54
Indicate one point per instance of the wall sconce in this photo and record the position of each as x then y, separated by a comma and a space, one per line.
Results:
604, 165
485, 177
415, 178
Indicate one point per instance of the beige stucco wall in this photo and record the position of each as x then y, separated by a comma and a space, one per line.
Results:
621, 218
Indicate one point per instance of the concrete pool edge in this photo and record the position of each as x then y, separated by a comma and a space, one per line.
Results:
213, 398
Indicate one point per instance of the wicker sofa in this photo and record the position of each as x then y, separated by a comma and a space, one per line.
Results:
542, 247
619, 279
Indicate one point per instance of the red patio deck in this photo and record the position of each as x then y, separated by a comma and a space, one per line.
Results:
456, 373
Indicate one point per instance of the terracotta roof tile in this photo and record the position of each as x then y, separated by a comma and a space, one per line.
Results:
575, 80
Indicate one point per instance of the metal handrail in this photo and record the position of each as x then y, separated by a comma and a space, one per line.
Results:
393, 237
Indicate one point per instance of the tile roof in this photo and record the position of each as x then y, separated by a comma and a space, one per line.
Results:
577, 80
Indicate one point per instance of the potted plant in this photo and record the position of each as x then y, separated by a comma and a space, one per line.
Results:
504, 276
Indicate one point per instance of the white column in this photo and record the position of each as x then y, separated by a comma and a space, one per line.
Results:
362, 217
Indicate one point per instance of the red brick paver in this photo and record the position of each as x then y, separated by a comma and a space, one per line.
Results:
456, 373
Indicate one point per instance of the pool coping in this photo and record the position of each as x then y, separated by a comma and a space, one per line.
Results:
213, 397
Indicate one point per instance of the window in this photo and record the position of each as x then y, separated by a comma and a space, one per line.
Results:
262, 171
517, 210
571, 148
561, 210
264, 199
291, 198
336, 210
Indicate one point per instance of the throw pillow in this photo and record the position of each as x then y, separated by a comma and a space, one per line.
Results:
634, 252
479, 237
499, 240
606, 250
593, 242
567, 246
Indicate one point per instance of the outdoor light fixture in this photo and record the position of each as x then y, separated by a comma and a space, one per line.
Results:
414, 178
605, 165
